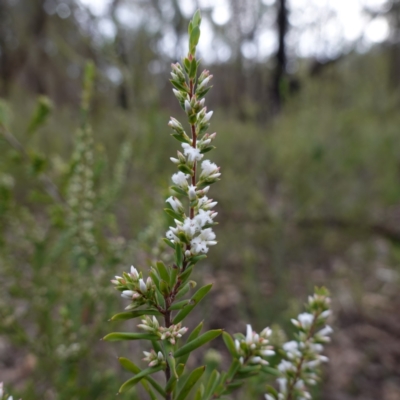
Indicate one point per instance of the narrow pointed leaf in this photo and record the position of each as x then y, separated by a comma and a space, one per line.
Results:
130, 383
196, 343
179, 305
179, 255
212, 384
193, 335
162, 270
131, 367
197, 297
169, 243
133, 314
233, 369
190, 382
229, 343
116, 336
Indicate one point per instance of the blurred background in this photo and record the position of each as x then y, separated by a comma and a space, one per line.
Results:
306, 99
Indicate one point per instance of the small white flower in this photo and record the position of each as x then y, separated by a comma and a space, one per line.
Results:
192, 153
142, 286
192, 192
326, 313
127, 294
208, 116
237, 344
208, 168
325, 331
134, 273
180, 179
249, 334
305, 319
175, 204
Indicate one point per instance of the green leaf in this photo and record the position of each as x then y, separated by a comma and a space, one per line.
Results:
193, 335
179, 86
179, 305
195, 259
232, 386
163, 271
178, 255
211, 385
181, 138
186, 63
207, 149
193, 69
164, 288
186, 275
131, 367
197, 297
179, 190
198, 342
194, 39
247, 372
116, 336
229, 343
174, 273
170, 358
173, 214
41, 113
233, 369
155, 277
185, 169
169, 243
130, 383
183, 290
196, 20
133, 314
190, 382
272, 391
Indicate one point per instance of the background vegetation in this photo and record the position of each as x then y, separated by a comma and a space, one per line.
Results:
310, 192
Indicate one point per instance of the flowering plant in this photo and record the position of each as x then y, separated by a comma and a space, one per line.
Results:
160, 298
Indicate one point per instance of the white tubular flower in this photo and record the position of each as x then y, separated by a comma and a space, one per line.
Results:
208, 116
305, 319
175, 204
180, 179
203, 218
142, 286
249, 334
192, 192
193, 154
208, 168
1, 390
134, 273
127, 294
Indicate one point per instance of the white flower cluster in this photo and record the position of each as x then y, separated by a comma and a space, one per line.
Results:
135, 288
302, 357
254, 348
153, 358
171, 333
195, 231
3, 394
